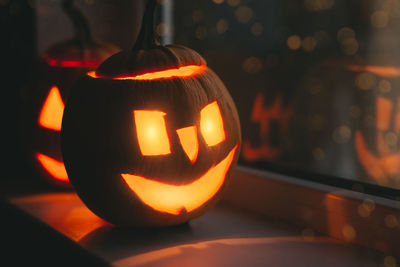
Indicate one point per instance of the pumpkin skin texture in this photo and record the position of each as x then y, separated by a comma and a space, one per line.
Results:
100, 136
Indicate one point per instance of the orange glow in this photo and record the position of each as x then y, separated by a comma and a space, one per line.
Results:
212, 125
386, 163
384, 109
397, 118
265, 151
52, 111
174, 199
190, 143
72, 63
385, 71
248, 246
151, 132
263, 116
381, 167
181, 72
63, 211
54, 167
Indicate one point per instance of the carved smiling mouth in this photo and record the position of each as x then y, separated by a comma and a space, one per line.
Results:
174, 199
54, 167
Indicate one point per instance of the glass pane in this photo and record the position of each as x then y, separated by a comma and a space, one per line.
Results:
316, 82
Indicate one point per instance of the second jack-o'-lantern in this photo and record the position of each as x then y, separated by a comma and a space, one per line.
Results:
151, 136
376, 139
60, 66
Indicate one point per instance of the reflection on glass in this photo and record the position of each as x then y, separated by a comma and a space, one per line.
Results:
316, 82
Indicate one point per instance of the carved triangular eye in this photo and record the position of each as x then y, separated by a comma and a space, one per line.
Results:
52, 110
151, 132
190, 144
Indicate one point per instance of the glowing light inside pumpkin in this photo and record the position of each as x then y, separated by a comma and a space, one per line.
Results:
184, 71
72, 63
190, 144
151, 132
384, 163
397, 118
211, 124
50, 116
174, 199
264, 115
54, 167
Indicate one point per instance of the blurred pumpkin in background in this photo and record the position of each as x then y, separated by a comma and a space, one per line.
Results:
352, 120
48, 90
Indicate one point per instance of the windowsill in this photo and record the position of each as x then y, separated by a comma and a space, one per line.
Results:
346, 215
232, 233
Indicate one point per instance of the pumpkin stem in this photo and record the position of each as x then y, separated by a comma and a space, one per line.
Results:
147, 36
81, 25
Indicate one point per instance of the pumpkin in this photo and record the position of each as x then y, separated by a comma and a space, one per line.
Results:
49, 87
151, 136
356, 138
376, 144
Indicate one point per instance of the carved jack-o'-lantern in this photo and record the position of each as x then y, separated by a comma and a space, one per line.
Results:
55, 73
378, 150
150, 137
356, 138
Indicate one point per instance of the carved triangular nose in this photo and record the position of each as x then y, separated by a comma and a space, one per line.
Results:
189, 142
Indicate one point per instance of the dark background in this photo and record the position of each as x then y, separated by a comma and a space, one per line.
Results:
318, 143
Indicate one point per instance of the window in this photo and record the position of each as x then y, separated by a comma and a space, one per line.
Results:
316, 84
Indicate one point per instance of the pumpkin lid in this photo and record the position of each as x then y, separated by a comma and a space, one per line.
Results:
132, 63
147, 55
